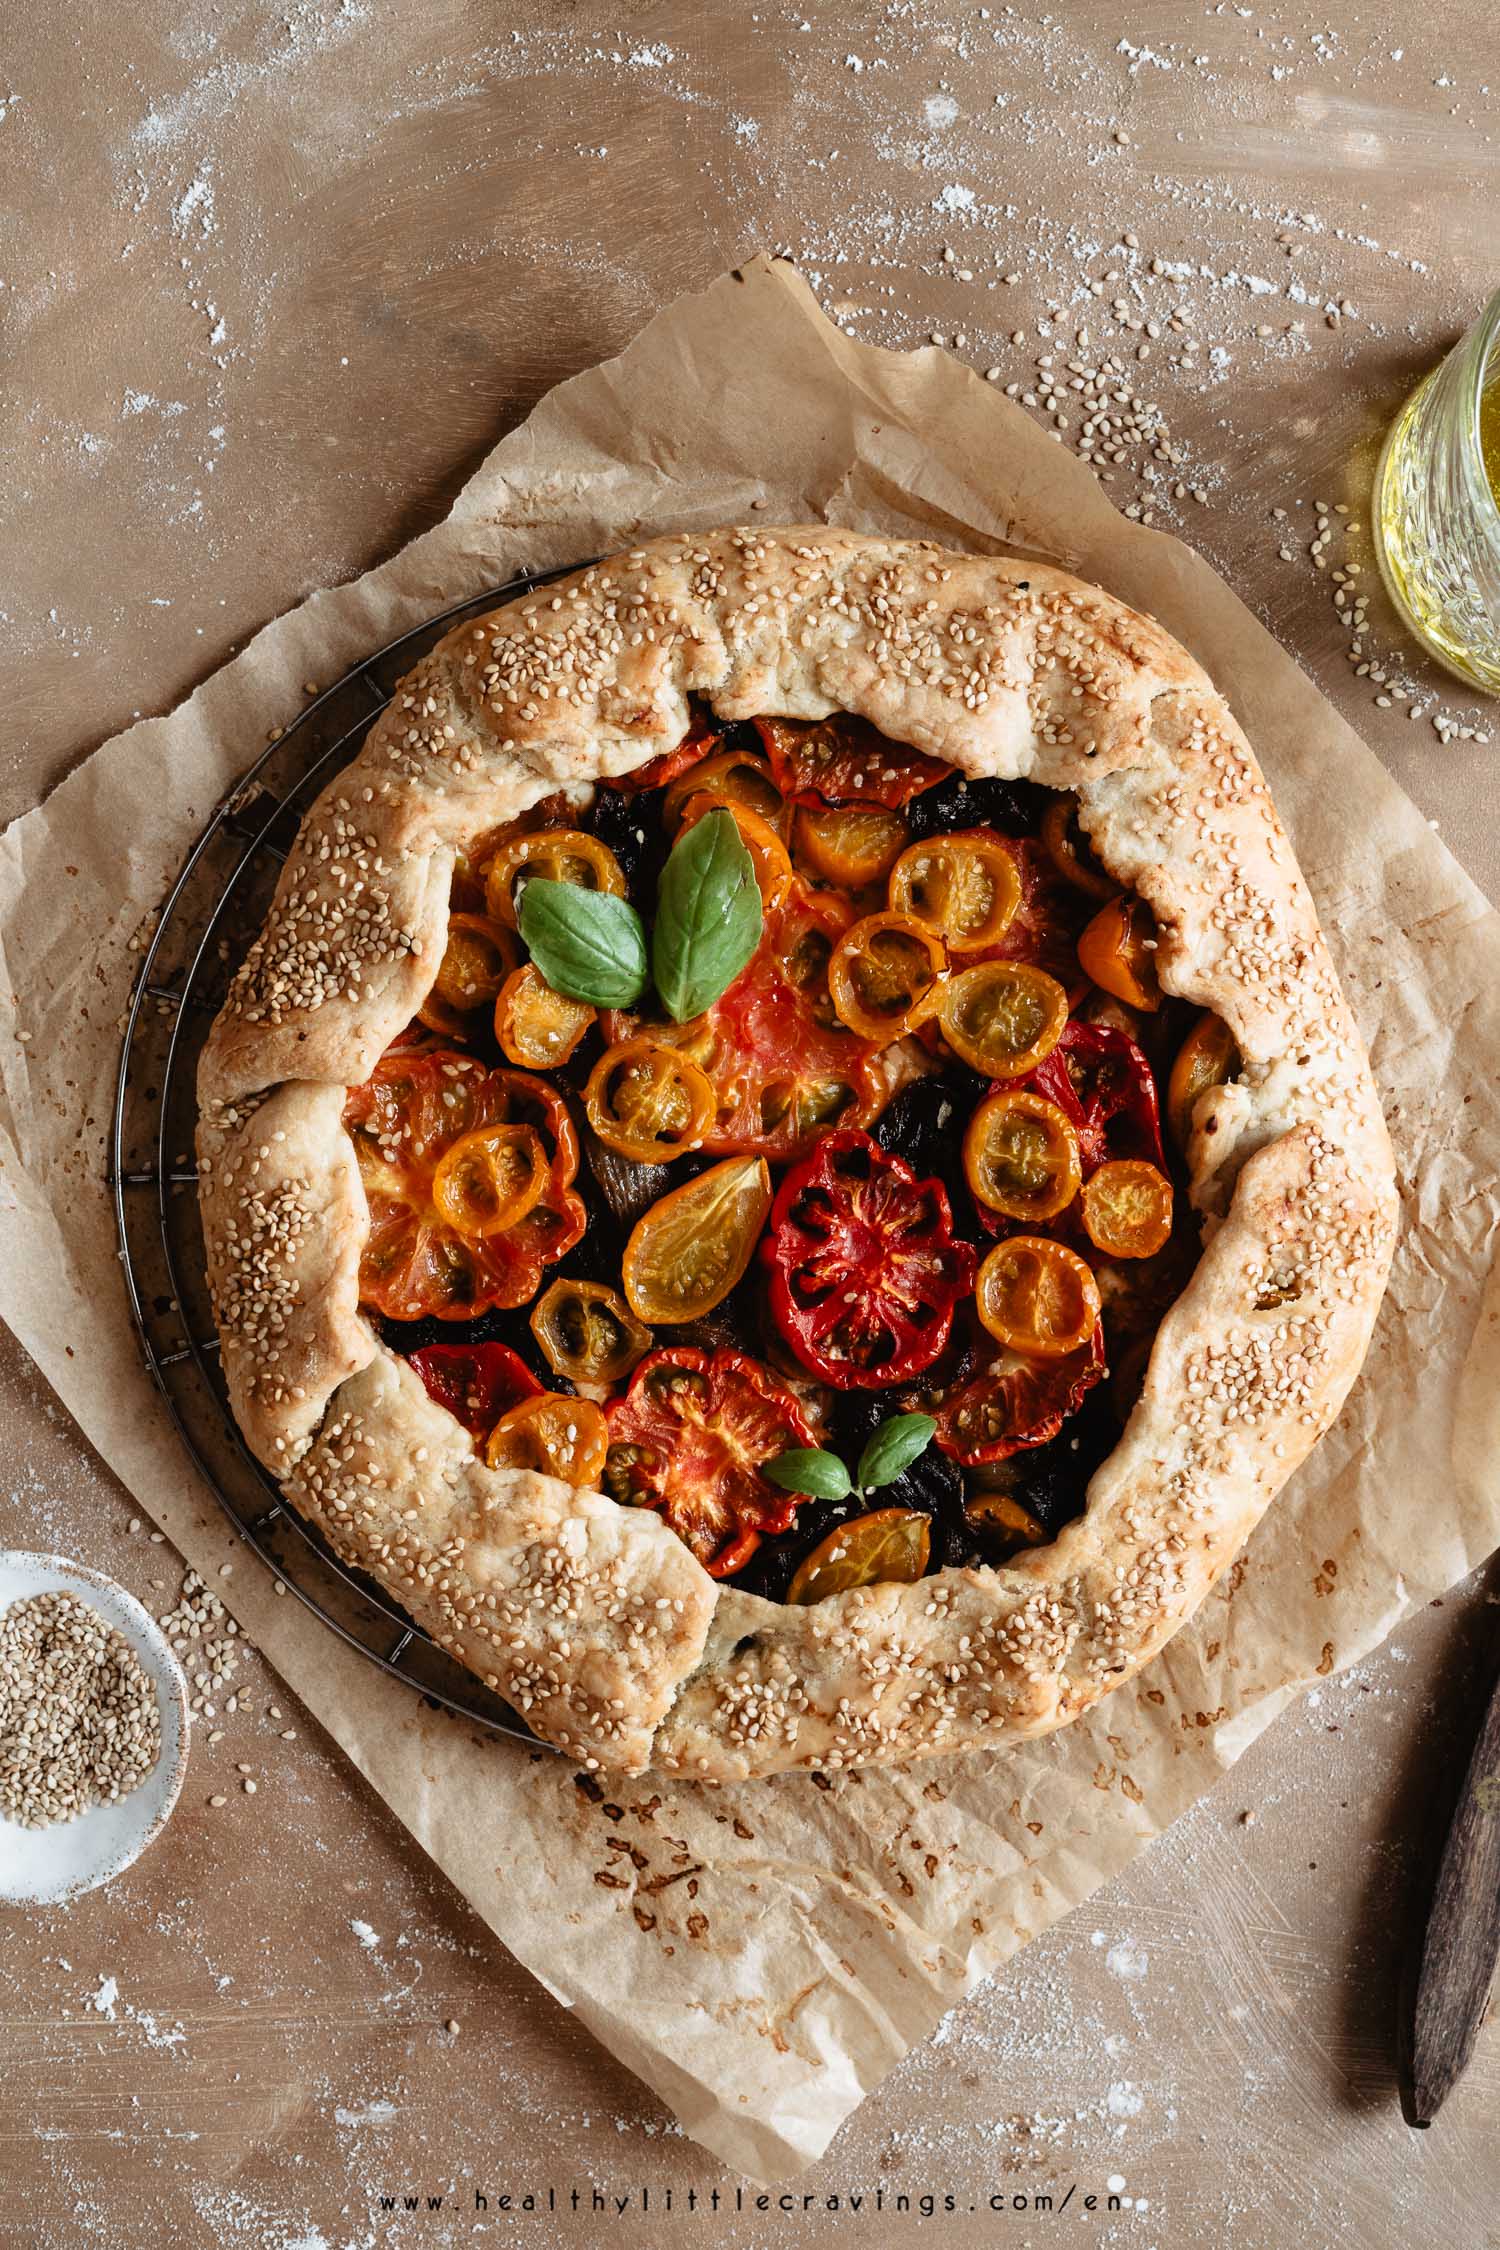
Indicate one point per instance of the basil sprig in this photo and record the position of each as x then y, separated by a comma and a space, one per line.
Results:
708, 917
588, 945
899, 1441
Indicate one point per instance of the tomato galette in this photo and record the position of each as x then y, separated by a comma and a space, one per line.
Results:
789, 1171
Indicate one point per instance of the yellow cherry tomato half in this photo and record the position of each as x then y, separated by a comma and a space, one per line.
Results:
850, 845
1021, 1155
537, 1027
733, 777
477, 958
1207, 1057
587, 1331
1002, 1017
1037, 1297
963, 888
491, 1178
891, 1544
1127, 1209
648, 1101
881, 976
553, 1434
562, 855
687, 1252
1069, 850
1118, 950
768, 854
1002, 1513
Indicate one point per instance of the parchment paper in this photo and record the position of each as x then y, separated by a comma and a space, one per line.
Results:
762, 1956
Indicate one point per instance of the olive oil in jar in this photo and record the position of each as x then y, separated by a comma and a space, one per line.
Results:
1437, 507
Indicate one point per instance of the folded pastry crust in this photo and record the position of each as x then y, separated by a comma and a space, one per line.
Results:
592, 1619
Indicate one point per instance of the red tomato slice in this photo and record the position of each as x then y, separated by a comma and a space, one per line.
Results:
865, 1269
1010, 1403
688, 1439
700, 738
476, 1382
1103, 1084
412, 1108
845, 761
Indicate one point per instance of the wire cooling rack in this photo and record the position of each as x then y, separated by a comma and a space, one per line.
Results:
217, 903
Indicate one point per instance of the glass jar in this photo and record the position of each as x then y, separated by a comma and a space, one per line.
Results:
1437, 507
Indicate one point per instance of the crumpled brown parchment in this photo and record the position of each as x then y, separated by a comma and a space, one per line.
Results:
761, 1956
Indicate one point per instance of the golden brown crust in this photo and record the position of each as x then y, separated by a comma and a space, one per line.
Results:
999, 668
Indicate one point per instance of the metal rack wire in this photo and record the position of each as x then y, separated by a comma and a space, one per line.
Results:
217, 902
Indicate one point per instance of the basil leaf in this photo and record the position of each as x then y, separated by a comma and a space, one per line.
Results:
707, 916
805, 1469
895, 1445
587, 944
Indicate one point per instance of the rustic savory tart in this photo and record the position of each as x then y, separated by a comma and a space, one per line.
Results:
789, 1170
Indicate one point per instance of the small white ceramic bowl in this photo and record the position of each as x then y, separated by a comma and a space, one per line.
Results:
53, 1866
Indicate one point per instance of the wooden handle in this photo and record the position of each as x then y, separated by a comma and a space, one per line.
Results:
1463, 1932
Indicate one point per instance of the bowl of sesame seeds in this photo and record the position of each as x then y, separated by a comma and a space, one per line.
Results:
93, 1729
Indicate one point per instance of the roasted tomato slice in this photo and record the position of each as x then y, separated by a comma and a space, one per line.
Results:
1002, 1017
881, 976
782, 1067
865, 1269
1207, 1057
1118, 950
692, 750
689, 1439
491, 1178
1070, 851
1009, 1403
647, 1101
1100, 1080
965, 888
553, 1433
476, 1382
1021, 1156
477, 959
690, 1248
563, 855
587, 1332
1127, 1209
844, 761
1038, 1297
848, 845
412, 1109
872, 1550
732, 777
535, 1026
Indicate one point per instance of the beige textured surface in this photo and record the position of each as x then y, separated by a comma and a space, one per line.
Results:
428, 202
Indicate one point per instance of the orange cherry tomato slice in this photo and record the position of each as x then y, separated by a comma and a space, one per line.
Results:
553, 1434
490, 1179
536, 1026
1003, 1517
477, 958
1127, 1209
850, 845
695, 1243
768, 854
1207, 1057
1118, 951
734, 777
1002, 1017
587, 1332
890, 1544
562, 855
881, 976
1070, 852
648, 1101
1021, 1156
1037, 1297
964, 888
